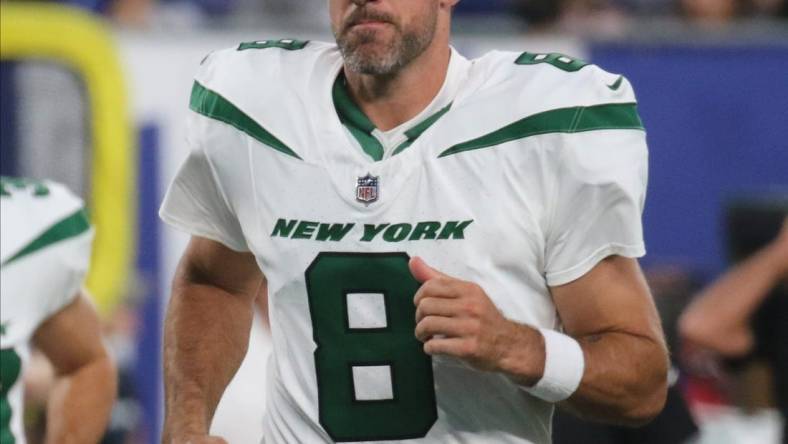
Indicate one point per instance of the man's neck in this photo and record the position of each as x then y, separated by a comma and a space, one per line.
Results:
389, 101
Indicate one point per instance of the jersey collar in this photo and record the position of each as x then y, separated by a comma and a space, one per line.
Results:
365, 132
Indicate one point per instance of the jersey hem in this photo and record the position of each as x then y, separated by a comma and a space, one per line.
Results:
577, 271
187, 228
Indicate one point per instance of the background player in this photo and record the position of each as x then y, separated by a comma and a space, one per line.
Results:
742, 316
46, 242
399, 69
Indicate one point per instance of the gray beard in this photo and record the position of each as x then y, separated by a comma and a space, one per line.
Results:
395, 57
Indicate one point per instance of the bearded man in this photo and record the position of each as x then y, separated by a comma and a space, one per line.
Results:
448, 245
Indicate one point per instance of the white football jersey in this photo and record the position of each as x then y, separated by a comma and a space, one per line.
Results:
534, 172
45, 241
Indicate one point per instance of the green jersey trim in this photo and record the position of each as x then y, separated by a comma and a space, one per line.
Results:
564, 120
417, 130
211, 104
355, 120
8, 183
67, 228
361, 127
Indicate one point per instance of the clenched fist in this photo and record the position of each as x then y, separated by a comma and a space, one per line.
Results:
456, 318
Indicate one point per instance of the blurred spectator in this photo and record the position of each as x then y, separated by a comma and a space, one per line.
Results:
600, 18
711, 11
575, 17
742, 318
719, 318
593, 17
616, 18
539, 13
483, 6
774, 8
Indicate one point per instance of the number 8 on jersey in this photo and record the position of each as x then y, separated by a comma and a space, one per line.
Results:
374, 380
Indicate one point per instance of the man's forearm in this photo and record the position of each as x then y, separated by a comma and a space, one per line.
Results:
206, 338
624, 381
80, 404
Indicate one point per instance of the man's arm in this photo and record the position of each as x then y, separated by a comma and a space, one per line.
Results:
206, 335
718, 319
609, 311
81, 401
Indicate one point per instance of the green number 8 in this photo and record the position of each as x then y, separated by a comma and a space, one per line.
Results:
287, 44
560, 61
374, 380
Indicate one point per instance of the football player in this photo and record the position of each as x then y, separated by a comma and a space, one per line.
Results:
45, 247
448, 244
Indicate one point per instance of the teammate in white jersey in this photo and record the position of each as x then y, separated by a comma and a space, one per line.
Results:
45, 251
425, 226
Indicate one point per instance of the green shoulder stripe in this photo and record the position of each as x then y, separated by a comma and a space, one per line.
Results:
67, 228
564, 120
210, 104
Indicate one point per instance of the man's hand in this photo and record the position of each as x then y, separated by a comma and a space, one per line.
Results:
609, 311
457, 318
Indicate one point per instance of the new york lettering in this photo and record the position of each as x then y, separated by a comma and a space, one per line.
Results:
388, 232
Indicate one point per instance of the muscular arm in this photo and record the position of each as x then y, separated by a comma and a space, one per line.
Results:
718, 318
609, 311
79, 406
206, 334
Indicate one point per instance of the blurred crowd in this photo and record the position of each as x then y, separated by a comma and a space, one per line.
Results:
572, 16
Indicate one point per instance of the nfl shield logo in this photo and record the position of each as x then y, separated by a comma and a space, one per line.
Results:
367, 189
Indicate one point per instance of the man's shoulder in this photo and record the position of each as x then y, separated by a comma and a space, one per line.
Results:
555, 80
44, 198
36, 214
260, 86
515, 96
265, 64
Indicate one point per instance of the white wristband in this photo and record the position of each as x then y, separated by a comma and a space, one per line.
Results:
563, 367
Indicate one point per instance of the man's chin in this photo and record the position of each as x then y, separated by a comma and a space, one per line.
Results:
367, 62
374, 50
370, 52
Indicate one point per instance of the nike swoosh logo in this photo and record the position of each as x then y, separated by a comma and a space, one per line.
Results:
616, 84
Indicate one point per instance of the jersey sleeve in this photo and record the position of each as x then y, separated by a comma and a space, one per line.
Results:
195, 201
597, 203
